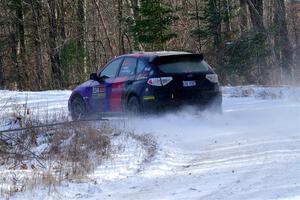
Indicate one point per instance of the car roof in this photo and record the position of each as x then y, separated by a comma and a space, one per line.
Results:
152, 55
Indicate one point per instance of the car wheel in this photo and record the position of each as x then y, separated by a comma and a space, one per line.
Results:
78, 108
133, 105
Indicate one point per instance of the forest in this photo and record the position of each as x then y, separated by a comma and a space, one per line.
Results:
56, 44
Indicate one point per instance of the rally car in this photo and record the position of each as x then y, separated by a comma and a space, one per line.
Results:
147, 82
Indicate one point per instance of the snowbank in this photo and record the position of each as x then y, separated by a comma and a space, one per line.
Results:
262, 92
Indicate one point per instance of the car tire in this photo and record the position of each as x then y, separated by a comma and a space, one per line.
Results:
133, 105
78, 108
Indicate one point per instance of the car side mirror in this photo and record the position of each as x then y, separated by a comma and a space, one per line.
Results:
94, 77
103, 77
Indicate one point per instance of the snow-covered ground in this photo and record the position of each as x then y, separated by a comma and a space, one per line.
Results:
251, 151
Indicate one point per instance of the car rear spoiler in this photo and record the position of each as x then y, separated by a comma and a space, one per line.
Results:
161, 58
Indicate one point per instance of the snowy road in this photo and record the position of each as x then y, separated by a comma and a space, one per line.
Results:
252, 151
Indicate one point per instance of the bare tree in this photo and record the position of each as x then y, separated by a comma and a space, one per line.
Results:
198, 25
227, 17
1, 70
55, 43
62, 20
36, 18
134, 11
57, 78
81, 39
20, 42
243, 15
283, 47
105, 29
120, 24
256, 14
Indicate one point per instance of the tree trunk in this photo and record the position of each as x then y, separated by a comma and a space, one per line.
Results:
294, 17
66, 72
134, 8
283, 47
256, 14
17, 72
57, 78
81, 40
198, 26
218, 30
121, 34
104, 27
20, 32
215, 10
80, 23
134, 11
1, 71
243, 16
227, 14
62, 20
36, 17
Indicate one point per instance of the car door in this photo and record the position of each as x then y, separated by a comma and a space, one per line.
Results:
121, 83
102, 89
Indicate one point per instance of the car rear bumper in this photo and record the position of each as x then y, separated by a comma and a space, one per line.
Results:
166, 102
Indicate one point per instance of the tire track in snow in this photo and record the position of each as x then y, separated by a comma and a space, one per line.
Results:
230, 156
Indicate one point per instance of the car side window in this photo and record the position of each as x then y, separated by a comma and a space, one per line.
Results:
112, 68
128, 67
143, 71
140, 67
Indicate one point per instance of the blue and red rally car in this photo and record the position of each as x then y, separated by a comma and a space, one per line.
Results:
147, 82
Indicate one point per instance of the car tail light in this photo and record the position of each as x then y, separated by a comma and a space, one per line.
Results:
159, 81
212, 78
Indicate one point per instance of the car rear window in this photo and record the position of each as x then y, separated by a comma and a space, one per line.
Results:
183, 65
